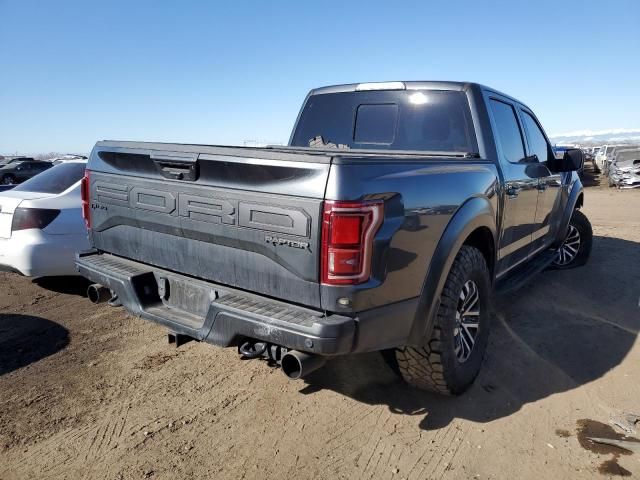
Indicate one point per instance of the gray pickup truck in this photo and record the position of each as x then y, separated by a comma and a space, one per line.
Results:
386, 225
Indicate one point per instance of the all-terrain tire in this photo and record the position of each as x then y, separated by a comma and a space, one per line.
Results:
581, 224
435, 366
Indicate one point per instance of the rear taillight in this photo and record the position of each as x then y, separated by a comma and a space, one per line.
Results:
348, 229
84, 194
26, 218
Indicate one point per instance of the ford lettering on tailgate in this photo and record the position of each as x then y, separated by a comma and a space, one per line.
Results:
205, 208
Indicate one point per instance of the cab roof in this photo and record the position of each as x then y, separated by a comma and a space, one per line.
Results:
409, 85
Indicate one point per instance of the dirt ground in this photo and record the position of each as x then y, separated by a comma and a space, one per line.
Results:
89, 392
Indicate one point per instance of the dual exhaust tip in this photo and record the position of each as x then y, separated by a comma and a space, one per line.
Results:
97, 293
295, 364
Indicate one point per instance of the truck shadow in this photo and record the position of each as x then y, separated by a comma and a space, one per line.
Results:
68, 285
26, 339
561, 331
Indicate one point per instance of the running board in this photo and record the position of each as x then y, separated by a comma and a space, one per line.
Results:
522, 275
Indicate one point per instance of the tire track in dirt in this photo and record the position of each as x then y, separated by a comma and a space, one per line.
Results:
93, 438
390, 449
75, 449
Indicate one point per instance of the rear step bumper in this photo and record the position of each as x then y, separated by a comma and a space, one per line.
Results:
216, 314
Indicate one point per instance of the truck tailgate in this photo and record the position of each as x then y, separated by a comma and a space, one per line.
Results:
243, 217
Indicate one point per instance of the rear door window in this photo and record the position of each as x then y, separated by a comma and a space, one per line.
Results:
55, 180
508, 131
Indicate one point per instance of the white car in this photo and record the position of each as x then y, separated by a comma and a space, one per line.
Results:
601, 156
66, 158
41, 224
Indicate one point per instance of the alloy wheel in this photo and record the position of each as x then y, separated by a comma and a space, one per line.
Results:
569, 249
467, 324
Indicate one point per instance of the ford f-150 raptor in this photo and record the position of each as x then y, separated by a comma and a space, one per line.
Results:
385, 225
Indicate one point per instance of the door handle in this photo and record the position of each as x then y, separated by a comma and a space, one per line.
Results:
542, 186
512, 191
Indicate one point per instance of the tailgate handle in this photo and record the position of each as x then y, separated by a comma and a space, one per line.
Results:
177, 168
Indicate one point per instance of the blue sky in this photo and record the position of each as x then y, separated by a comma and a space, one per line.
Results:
73, 72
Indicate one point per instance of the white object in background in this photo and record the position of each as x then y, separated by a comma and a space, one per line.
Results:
41, 224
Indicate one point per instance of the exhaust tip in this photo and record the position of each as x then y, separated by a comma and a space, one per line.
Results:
97, 293
296, 365
292, 366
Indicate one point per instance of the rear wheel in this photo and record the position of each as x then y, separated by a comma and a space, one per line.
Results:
450, 359
576, 248
8, 179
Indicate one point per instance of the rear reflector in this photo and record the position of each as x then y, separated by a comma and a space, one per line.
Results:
84, 194
26, 218
348, 229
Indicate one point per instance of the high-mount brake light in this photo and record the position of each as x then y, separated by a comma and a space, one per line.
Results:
361, 87
348, 229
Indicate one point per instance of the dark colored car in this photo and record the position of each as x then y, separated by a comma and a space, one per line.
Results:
386, 225
7, 161
19, 171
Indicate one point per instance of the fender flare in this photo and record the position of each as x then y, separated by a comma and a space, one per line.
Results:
475, 213
576, 191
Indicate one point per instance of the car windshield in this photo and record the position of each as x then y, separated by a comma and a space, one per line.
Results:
16, 161
54, 180
625, 155
422, 120
12, 164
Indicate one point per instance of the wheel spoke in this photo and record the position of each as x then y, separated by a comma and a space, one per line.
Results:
466, 346
471, 337
469, 324
467, 320
471, 307
471, 301
570, 247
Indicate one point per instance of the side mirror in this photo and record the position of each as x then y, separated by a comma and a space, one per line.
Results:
572, 161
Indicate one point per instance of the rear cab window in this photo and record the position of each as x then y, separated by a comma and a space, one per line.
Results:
55, 180
413, 120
